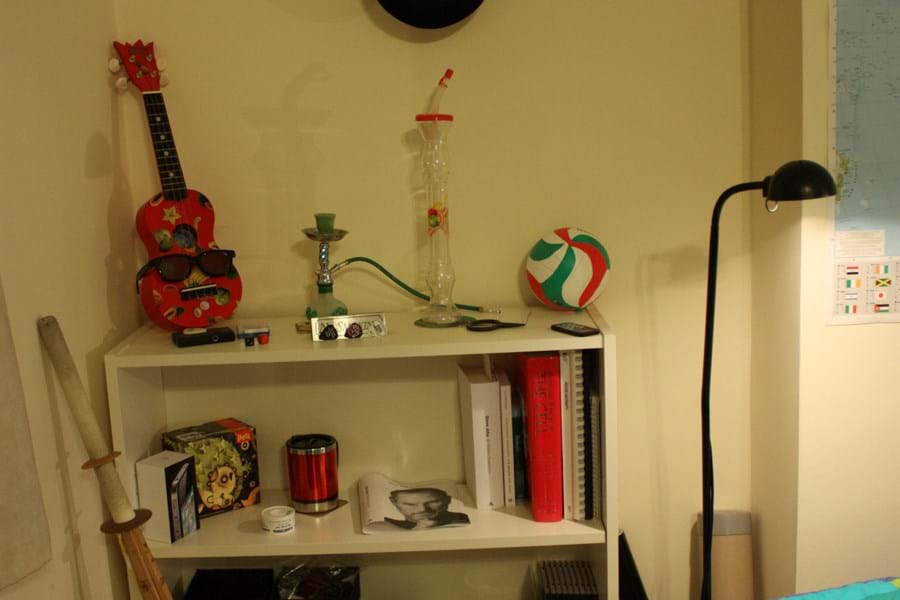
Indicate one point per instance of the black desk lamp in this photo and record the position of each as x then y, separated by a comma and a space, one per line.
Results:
796, 180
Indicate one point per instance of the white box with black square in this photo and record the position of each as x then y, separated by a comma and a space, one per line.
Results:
167, 487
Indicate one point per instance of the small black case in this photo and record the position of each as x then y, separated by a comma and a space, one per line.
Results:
232, 584
214, 335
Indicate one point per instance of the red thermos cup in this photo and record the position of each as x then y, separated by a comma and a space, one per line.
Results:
312, 466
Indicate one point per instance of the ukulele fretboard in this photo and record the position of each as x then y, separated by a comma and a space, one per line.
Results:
171, 176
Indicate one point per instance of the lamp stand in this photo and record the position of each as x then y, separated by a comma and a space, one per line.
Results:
795, 180
708, 488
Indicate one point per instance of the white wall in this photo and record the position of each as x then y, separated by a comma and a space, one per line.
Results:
623, 118
65, 249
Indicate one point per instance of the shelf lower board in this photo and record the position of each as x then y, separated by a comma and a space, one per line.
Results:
239, 534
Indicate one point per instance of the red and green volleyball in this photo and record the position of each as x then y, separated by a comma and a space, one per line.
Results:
567, 269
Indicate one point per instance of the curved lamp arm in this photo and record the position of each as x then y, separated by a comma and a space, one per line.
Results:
708, 480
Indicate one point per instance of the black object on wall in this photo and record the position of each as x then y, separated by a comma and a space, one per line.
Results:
430, 14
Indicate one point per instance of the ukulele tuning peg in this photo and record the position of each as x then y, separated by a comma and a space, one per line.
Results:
115, 65
162, 64
122, 84
163, 79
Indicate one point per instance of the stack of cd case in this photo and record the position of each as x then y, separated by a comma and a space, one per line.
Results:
566, 580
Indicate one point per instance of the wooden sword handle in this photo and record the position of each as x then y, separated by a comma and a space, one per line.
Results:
150, 580
125, 521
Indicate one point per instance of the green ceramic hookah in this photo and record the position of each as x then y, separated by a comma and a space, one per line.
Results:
325, 304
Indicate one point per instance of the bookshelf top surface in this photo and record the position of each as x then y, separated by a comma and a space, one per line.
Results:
151, 346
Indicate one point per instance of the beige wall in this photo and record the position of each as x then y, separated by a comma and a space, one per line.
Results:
626, 119
65, 249
848, 478
824, 474
775, 139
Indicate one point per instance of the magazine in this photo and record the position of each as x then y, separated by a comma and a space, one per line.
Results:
386, 505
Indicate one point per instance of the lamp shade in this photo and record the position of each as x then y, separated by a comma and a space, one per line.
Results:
799, 180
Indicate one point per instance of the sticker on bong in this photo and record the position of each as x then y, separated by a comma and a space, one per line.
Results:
348, 327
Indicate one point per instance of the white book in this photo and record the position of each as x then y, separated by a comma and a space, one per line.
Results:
479, 406
506, 437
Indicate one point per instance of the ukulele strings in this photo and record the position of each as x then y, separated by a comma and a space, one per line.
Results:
170, 170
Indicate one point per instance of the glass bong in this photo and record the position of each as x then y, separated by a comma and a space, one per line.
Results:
441, 312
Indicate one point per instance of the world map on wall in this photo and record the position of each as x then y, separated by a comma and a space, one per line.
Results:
866, 158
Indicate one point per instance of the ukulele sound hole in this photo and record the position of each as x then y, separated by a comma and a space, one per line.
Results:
185, 236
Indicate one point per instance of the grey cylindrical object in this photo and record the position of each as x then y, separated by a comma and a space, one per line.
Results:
732, 522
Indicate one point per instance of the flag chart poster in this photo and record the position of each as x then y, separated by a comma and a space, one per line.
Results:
865, 159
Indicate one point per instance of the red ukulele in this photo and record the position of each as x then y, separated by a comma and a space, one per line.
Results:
188, 280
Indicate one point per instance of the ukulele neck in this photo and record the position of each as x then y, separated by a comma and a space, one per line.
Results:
168, 166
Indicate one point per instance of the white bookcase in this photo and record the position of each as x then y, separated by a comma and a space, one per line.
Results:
392, 404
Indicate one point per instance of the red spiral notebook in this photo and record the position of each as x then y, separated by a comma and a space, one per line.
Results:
538, 377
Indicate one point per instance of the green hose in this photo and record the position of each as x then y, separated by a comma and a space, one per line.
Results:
412, 291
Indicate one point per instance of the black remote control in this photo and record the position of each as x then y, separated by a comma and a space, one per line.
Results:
213, 335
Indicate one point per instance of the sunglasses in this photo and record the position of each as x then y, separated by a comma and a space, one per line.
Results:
177, 267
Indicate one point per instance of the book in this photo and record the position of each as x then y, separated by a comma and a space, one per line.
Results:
578, 426
479, 406
519, 451
594, 492
538, 375
591, 373
507, 436
386, 505
566, 408
576, 474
